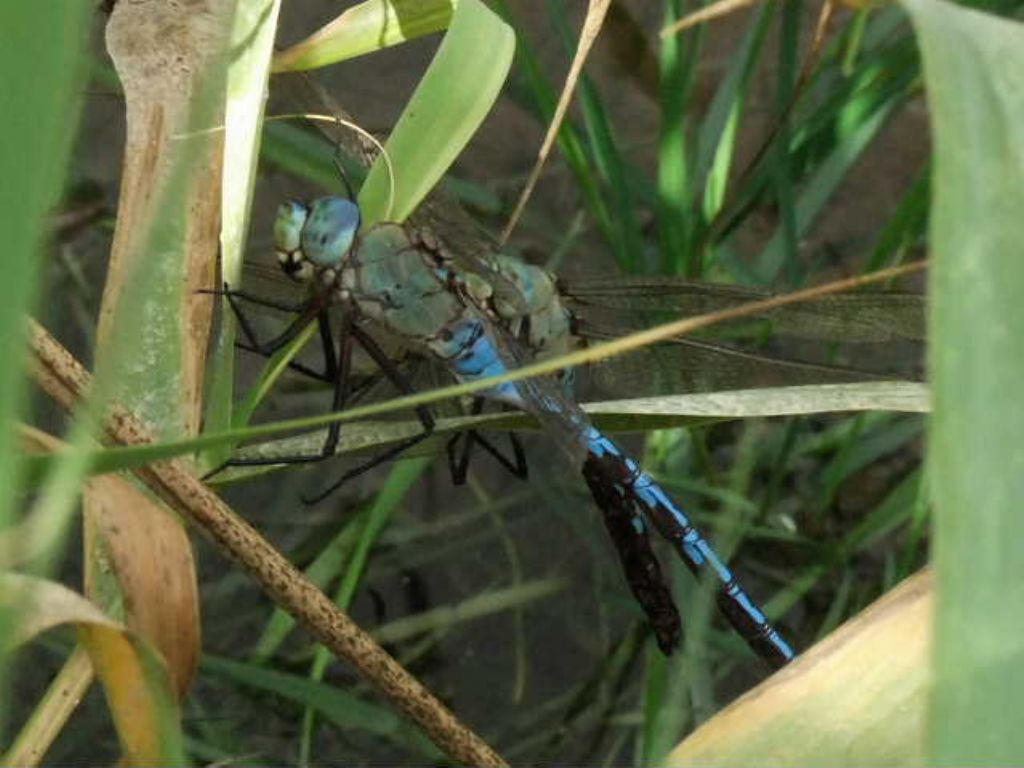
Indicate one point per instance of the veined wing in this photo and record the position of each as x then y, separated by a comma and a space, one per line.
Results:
693, 365
848, 318
837, 339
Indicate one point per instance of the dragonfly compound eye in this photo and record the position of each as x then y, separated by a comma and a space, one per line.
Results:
330, 230
291, 217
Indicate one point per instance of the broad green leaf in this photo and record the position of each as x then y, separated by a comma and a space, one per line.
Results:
42, 76
154, 325
974, 78
456, 93
364, 28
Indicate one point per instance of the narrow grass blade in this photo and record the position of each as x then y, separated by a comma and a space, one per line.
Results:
39, 97
675, 177
365, 28
252, 38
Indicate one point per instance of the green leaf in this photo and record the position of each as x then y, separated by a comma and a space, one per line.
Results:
340, 707
974, 77
253, 36
367, 27
456, 93
625, 415
42, 77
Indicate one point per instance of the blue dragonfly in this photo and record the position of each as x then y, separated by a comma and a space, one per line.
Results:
479, 323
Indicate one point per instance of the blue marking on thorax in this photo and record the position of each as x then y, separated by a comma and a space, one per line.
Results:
473, 356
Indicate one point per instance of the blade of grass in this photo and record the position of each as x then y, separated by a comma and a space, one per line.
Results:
906, 227
252, 39
718, 132
364, 28
784, 258
42, 71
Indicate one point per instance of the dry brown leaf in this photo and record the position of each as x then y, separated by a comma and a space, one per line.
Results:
138, 555
859, 693
135, 682
707, 13
591, 28
150, 557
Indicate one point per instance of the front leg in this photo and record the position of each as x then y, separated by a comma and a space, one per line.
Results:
403, 385
458, 460
303, 312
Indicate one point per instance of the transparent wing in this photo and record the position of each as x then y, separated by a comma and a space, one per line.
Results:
689, 365
848, 318
844, 338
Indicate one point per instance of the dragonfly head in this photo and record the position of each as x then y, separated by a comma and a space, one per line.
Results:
309, 237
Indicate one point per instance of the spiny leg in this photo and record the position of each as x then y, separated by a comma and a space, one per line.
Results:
340, 381
267, 349
458, 465
340, 366
402, 385
326, 343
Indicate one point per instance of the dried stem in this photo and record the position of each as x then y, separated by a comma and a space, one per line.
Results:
64, 379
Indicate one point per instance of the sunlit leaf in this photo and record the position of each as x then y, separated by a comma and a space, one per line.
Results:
364, 28
974, 78
138, 692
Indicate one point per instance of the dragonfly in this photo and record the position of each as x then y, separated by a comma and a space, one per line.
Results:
480, 322
836, 339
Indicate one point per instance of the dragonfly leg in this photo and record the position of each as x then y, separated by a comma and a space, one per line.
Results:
340, 366
402, 384
266, 349
232, 294
458, 460
339, 377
